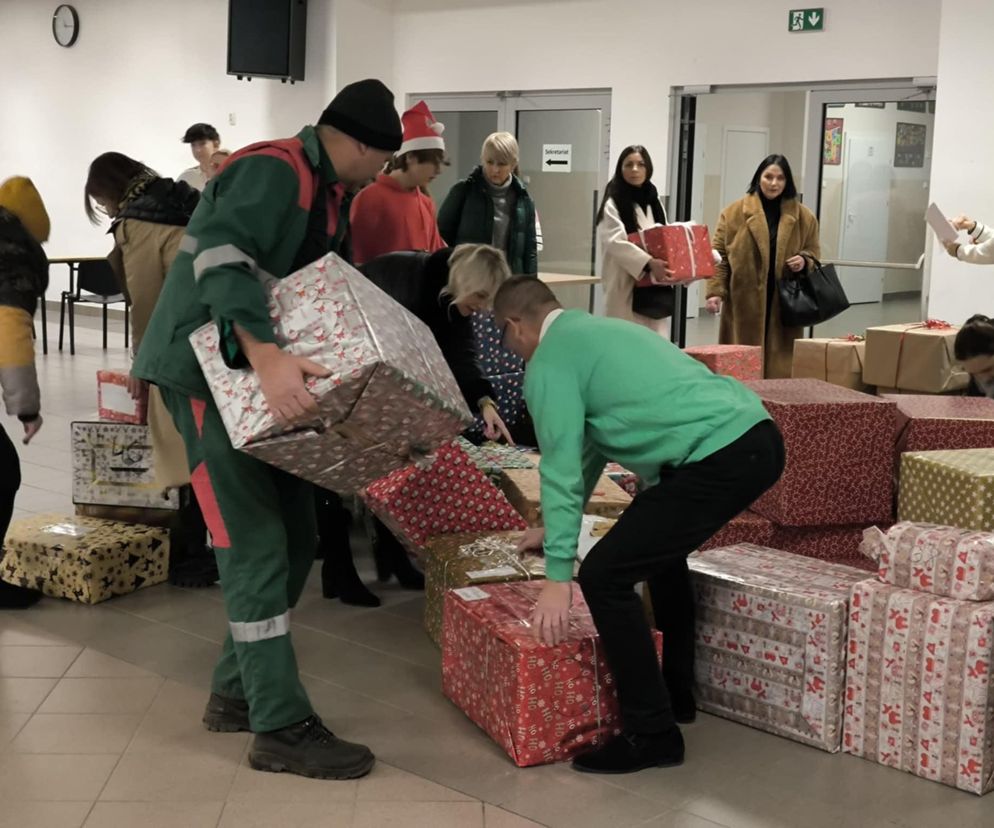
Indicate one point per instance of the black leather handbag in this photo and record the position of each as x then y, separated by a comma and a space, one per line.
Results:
653, 301
811, 298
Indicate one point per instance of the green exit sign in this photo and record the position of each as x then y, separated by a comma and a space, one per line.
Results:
806, 20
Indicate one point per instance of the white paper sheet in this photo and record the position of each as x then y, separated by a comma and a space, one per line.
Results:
940, 224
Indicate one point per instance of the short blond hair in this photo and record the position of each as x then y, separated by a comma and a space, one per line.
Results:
502, 147
476, 270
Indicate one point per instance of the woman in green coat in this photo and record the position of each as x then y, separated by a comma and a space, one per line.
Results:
492, 206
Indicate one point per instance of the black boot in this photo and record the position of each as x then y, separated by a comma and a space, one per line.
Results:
226, 715
310, 749
339, 578
191, 559
684, 706
17, 597
631, 752
392, 558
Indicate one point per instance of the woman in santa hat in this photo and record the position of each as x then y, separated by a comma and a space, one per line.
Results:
394, 212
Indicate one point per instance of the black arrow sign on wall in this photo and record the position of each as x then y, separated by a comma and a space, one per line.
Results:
550, 162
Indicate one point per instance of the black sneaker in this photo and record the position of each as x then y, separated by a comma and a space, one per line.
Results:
631, 752
310, 749
226, 715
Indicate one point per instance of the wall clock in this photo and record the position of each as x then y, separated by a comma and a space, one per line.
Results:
65, 25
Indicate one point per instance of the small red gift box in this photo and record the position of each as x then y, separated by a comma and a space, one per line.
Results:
743, 362
540, 704
686, 249
115, 404
451, 495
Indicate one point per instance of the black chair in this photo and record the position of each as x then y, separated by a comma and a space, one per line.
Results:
94, 284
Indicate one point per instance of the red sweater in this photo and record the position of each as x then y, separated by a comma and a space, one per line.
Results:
386, 218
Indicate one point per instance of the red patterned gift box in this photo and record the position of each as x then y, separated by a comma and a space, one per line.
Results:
389, 398
745, 528
743, 362
839, 454
771, 633
836, 544
942, 560
686, 249
540, 704
935, 423
115, 404
918, 685
451, 495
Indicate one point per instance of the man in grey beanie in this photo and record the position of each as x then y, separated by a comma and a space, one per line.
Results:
273, 208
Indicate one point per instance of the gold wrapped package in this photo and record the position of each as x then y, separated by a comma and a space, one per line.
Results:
948, 488
838, 361
523, 488
82, 558
913, 357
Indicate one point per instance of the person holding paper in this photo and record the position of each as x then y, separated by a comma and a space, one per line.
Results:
980, 248
762, 238
631, 203
706, 449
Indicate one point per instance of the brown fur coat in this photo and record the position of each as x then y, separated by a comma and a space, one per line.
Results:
743, 240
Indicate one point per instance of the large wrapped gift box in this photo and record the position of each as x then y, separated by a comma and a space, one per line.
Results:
494, 359
839, 454
390, 396
466, 559
918, 684
932, 423
771, 634
493, 458
83, 559
509, 396
115, 404
837, 361
685, 247
948, 488
523, 489
747, 527
836, 544
450, 495
743, 362
913, 357
540, 704
943, 560
112, 466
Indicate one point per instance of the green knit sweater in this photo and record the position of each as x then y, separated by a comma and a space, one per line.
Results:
602, 390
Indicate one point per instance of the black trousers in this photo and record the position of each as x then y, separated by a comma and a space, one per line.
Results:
651, 542
10, 481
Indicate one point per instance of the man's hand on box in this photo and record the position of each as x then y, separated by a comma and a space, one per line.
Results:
550, 621
531, 541
282, 376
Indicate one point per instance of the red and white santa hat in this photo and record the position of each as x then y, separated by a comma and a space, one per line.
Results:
421, 130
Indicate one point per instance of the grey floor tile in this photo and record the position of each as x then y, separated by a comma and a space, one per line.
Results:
36, 662
43, 814
24, 695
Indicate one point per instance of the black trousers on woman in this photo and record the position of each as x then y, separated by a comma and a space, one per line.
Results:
11, 597
651, 542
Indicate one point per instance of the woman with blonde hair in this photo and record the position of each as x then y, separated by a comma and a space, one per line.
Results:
492, 206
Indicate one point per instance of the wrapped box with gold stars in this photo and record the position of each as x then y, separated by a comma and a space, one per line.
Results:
948, 488
84, 559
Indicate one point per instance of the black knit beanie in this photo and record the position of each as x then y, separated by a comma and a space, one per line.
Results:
364, 110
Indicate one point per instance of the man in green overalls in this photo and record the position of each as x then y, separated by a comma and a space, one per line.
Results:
273, 208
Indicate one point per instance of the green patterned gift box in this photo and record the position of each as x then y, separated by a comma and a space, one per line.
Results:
948, 488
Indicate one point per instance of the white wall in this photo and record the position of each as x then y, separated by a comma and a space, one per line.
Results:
141, 72
962, 162
642, 48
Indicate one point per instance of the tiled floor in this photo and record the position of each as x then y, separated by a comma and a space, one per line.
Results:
100, 709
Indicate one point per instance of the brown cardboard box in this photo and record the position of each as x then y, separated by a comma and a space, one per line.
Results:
913, 357
523, 489
838, 361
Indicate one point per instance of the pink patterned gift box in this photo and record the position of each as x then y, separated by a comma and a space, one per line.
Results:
942, 560
918, 687
743, 362
540, 704
771, 634
115, 404
390, 396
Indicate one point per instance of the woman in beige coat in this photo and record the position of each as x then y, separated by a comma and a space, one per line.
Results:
148, 217
631, 203
762, 238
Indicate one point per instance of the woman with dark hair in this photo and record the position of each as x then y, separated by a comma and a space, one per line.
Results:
148, 215
762, 238
631, 203
974, 349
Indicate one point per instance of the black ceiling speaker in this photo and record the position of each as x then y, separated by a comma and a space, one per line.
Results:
266, 39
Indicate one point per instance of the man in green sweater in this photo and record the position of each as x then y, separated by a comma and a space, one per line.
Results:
273, 208
602, 390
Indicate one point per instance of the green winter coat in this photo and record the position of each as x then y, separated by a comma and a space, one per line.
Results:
467, 217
